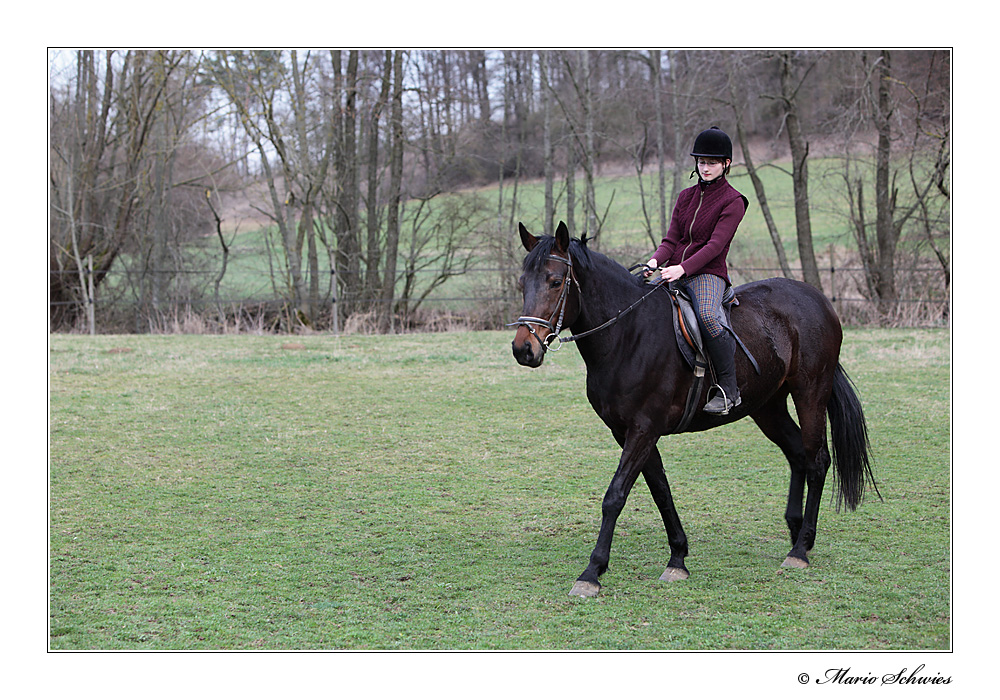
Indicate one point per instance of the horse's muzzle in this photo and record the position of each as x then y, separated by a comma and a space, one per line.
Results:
527, 351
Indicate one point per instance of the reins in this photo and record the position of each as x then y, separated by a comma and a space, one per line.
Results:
561, 309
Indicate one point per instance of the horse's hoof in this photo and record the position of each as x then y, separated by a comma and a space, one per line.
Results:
674, 574
794, 563
585, 589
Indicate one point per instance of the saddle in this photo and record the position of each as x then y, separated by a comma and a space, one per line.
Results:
687, 332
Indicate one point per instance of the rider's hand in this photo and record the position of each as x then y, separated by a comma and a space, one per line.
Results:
672, 273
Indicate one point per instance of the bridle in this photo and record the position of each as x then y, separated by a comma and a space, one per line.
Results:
561, 310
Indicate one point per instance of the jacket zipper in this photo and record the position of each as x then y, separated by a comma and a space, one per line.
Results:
701, 198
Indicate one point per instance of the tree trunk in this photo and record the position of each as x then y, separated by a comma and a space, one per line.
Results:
758, 185
159, 223
885, 230
800, 174
373, 284
347, 195
351, 184
547, 150
680, 153
516, 96
571, 185
481, 79
395, 189
307, 234
593, 228
868, 262
656, 78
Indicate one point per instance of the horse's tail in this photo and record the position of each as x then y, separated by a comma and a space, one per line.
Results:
849, 442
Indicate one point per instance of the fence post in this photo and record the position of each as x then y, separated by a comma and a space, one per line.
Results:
90, 295
833, 279
333, 286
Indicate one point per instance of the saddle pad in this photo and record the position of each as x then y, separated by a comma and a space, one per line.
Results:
686, 330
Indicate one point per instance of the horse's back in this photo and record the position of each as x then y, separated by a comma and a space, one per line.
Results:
796, 303
787, 320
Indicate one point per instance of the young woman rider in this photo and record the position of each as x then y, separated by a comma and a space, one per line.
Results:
694, 251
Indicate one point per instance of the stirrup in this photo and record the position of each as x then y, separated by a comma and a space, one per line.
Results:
712, 405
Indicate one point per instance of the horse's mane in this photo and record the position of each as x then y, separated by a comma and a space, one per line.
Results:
583, 257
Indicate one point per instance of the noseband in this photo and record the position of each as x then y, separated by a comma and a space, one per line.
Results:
559, 310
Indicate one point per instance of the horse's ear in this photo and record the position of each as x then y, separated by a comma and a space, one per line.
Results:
562, 237
527, 240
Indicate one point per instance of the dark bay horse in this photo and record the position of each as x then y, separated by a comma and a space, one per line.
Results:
638, 383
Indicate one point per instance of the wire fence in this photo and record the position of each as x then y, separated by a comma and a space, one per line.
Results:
923, 299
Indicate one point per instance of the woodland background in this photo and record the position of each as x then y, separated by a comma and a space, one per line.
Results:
380, 190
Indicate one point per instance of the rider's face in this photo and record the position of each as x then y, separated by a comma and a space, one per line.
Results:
710, 168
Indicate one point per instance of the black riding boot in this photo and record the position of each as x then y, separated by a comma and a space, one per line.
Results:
722, 351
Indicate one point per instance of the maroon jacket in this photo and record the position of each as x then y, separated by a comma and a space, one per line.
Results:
703, 224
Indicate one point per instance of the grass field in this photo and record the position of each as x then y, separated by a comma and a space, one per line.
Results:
424, 492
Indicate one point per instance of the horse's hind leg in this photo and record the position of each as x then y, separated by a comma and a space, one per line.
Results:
774, 421
656, 480
812, 424
808, 459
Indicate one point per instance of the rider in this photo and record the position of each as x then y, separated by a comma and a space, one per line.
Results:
694, 250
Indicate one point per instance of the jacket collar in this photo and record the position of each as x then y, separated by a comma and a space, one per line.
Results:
705, 184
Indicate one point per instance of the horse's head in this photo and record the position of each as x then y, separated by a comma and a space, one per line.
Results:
551, 294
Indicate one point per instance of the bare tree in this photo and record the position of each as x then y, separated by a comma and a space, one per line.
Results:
548, 151
792, 79
395, 194
580, 73
102, 141
578, 113
373, 284
342, 198
639, 150
656, 78
442, 244
738, 75
251, 82
480, 78
908, 104
277, 98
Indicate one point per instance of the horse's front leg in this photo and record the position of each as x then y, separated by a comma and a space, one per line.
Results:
634, 454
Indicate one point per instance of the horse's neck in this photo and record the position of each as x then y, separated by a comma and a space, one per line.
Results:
605, 291
605, 295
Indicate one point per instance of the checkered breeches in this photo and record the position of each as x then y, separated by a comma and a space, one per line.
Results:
706, 292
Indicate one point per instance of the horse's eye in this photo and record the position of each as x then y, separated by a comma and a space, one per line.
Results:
556, 283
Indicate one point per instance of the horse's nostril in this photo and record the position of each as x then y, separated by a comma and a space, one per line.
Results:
524, 354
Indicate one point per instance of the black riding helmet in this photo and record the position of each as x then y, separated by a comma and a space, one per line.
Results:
713, 143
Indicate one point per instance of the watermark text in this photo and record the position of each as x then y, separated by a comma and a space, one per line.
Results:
848, 676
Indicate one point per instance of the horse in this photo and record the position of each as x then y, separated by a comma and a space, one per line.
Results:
638, 384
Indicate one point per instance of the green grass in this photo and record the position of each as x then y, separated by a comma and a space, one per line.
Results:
425, 492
